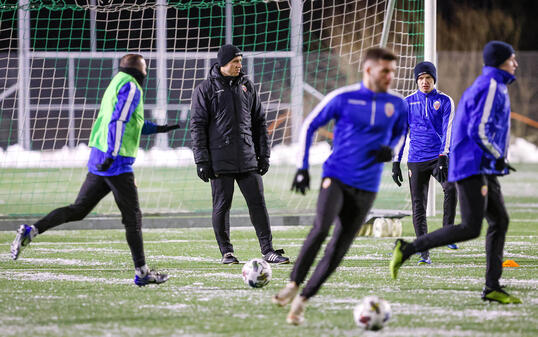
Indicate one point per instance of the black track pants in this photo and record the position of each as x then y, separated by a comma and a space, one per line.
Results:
351, 206
92, 191
480, 197
419, 179
251, 186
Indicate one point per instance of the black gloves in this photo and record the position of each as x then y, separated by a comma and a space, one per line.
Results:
397, 173
263, 166
501, 164
383, 154
205, 172
166, 128
301, 182
442, 168
104, 166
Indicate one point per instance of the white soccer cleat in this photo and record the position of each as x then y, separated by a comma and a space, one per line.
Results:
24, 236
150, 277
296, 314
286, 294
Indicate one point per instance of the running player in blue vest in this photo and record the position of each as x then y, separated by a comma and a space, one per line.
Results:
479, 148
430, 117
370, 121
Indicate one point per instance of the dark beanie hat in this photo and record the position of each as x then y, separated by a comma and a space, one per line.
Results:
226, 53
425, 68
496, 52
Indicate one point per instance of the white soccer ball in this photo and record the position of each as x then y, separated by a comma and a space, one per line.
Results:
257, 273
372, 313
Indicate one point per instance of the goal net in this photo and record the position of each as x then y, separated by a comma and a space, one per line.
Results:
56, 59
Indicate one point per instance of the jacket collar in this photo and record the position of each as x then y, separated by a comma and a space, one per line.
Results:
431, 93
498, 75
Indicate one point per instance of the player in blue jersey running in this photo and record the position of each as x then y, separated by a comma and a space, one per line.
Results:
370, 121
430, 117
114, 143
479, 148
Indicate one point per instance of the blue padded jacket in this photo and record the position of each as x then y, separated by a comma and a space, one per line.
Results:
481, 128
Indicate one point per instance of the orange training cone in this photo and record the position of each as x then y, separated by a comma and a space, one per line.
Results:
510, 263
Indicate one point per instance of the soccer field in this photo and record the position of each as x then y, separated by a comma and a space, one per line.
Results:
79, 283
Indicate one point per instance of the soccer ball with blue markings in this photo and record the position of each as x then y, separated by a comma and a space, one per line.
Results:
372, 313
257, 273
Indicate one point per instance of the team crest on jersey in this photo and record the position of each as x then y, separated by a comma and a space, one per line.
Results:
484, 190
436, 105
326, 183
389, 109
244, 88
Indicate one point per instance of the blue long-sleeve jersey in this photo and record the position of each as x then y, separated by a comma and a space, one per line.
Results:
481, 128
364, 121
429, 119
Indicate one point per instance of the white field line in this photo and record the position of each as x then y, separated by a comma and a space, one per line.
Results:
184, 258
77, 250
63, 262
46, 277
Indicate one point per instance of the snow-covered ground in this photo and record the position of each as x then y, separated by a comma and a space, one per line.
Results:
521, 151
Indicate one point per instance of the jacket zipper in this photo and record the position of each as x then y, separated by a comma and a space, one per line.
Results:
426, 107
238, 121
372, 117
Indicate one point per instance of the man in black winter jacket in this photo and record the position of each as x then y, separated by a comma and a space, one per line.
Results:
230, 143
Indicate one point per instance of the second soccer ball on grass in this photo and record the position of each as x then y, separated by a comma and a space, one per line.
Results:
372, 313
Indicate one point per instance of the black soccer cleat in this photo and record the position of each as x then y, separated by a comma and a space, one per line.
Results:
275, 256
229, 258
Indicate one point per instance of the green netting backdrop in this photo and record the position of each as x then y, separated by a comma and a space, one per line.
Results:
57, 57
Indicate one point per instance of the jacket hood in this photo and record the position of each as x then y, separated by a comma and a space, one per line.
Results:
214, 72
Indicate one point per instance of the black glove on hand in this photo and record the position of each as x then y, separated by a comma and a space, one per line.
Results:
263, 166
104, 166
501, 164
383, 154
442, 168
205, 172
301, 182
166, 127
397, 173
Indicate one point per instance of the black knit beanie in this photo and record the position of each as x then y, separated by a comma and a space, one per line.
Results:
425, 68
496, 52
226, 53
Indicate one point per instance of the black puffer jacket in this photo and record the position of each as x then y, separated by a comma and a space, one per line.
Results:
228, 127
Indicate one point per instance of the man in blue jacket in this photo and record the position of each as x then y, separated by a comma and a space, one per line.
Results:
370, 121
479, 150
114, 143
430, 118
